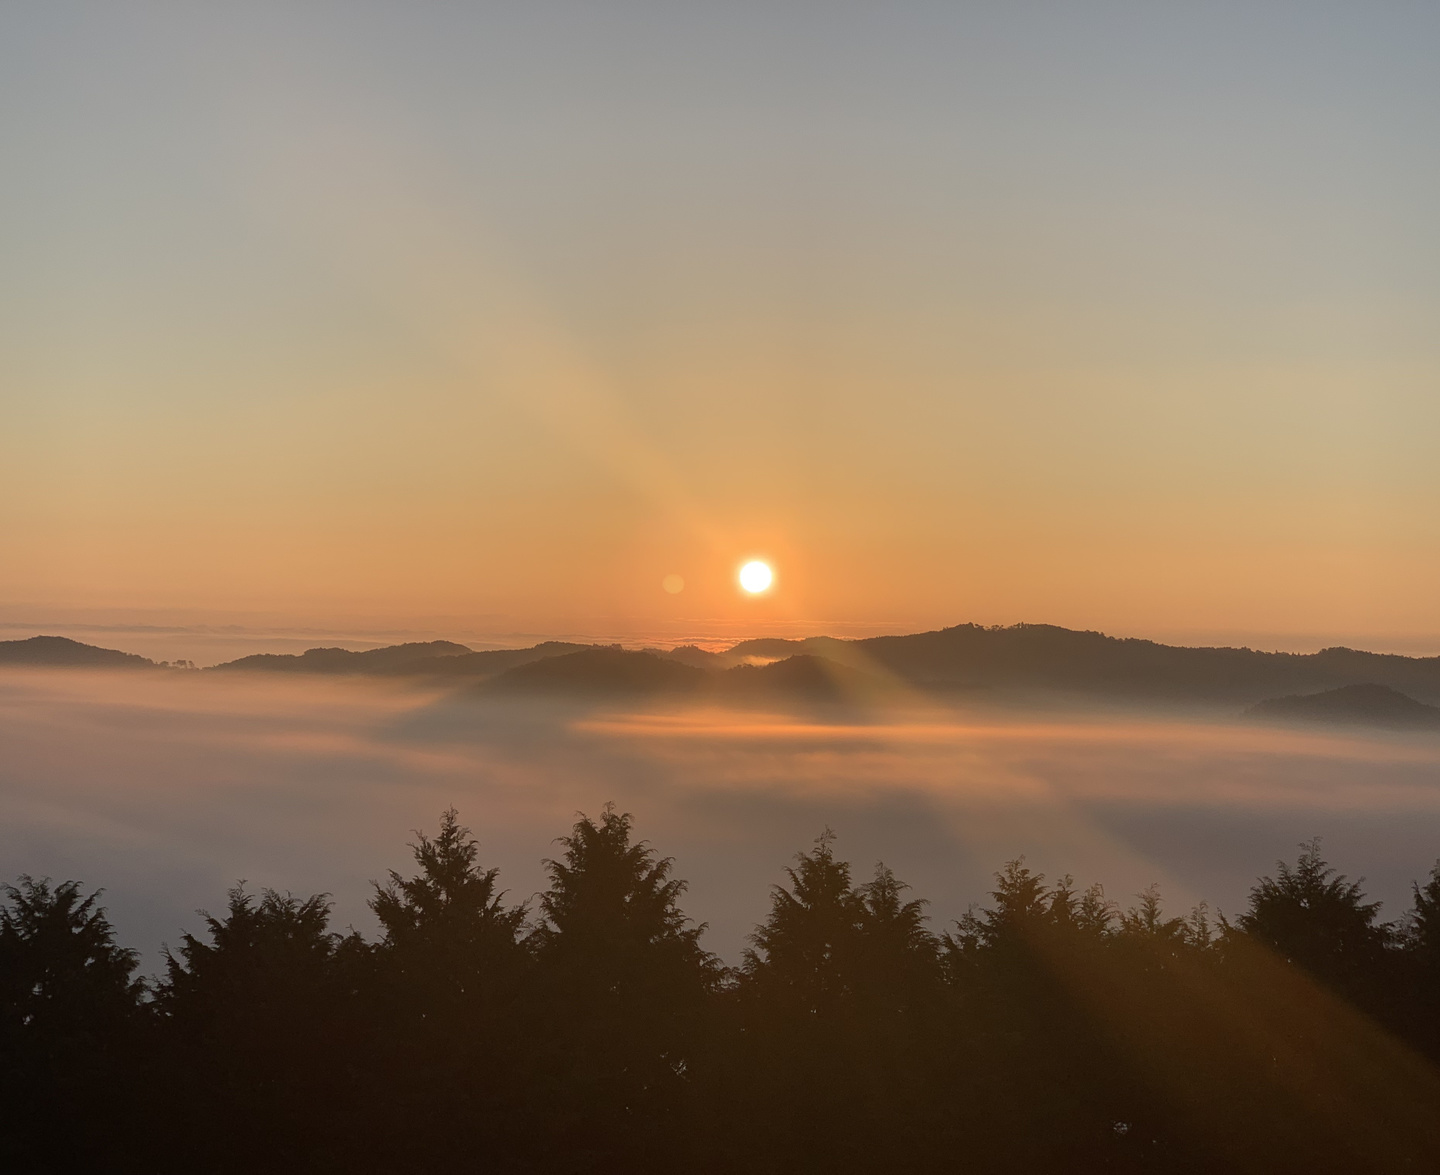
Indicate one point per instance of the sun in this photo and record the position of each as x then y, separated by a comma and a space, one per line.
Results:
756, 576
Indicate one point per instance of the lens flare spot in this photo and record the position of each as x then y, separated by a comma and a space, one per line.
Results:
673, 584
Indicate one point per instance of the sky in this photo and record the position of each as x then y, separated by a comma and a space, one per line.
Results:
486, 319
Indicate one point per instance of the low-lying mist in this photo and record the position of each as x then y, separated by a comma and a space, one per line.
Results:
164, 789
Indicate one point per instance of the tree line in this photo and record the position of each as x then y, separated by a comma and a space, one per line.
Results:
1046, 1030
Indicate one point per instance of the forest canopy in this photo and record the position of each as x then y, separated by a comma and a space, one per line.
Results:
1049, 1029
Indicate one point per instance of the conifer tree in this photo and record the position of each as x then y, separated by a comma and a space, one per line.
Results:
449, 971
70, 1022
1422, 932
620, 987
1147, 920
807, 949
1319, 920
446, 928
263, 1032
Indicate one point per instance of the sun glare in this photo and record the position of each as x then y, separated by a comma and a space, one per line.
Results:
755, 577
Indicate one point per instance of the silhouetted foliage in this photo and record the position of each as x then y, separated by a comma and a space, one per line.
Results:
898, 957
832, 997
450, 947
69, 1013
806, 950
1047, 1030
617, 998
1422, 935
59, 962
1319, 920
262, 1028
448, 972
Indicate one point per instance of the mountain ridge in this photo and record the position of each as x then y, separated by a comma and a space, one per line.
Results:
961, 658
62, 652
642, 672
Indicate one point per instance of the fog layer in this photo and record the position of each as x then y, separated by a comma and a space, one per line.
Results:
167, 788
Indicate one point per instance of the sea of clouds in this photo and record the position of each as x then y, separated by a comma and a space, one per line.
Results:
166, 788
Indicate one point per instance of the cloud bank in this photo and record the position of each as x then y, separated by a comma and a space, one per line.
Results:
165, 789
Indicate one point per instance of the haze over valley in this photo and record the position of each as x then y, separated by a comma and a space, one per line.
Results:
943, 754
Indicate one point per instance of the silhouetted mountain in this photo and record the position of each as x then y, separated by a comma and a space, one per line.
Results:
619, 672
694, 655
487, 662
62, 651
387, 660
610, 670
804, 675
1045, 656
1363, 704
968, 657
778, 649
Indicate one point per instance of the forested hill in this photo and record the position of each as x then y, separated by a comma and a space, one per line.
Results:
1046, 656
1361, 705
967, 657
425, 658
609, 672
63, 652
331, 660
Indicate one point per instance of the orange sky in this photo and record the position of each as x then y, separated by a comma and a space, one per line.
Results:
1109, 318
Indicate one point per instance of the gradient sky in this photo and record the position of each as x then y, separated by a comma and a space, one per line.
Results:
1110, 315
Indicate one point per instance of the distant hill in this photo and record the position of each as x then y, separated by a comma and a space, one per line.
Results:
967, 658
1361, 704
1048, 657
387, 660
487, 662
599, 670
621, 672
694, 655
802, 675
971, 657
62, 651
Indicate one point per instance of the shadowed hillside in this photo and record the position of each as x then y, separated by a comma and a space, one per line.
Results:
407, 658
1044, 656
62, 651
420, 659
599, 670
1364, 704
621, 672
803, 675
487, 662
1025, 656
965, 658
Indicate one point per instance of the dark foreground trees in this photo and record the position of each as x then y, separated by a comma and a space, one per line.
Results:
262, 1035
72, 1046
618, 999
1047, 1030
446, 1009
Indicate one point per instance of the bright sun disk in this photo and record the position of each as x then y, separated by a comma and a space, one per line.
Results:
755, 576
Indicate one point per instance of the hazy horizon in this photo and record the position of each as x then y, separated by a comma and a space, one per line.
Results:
228, 637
